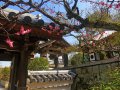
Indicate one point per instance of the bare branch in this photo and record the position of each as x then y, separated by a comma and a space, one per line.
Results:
5, 6
76, 16
75, 4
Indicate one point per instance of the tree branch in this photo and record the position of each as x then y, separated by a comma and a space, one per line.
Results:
76, 16
84, 22
75, 4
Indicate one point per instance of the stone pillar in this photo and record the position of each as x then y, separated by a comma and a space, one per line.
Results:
56, 62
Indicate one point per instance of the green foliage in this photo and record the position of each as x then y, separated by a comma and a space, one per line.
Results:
116, 17
5, 74
99, 16
77, 59
0, 73
72, 49
114, 39
111, 82
38, 64
102, 55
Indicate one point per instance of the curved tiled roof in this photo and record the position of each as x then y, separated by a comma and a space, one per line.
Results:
50, 79
25, 16
47, 76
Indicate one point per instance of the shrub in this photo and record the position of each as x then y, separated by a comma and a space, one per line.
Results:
76, 59
5, 74
38, 64
111, 82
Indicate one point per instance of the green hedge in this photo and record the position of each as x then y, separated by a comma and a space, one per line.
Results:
38, 64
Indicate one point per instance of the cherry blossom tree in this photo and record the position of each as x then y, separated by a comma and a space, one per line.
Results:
67, 14
70, 8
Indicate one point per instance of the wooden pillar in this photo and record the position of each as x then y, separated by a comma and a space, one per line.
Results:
13, 73
65, 59
22, 70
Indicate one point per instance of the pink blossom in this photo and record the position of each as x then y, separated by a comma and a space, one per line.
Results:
110, 6
88, 43
18, 33
51, 11
23, 31
26, 32
51, 27
54, 30
9, 42
93, 44
117, 6
43, 29
57, 28
87, 35
101, 3
58, 34
49, 32
61, 31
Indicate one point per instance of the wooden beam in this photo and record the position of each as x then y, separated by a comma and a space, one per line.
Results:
6, 56
44, 45
6, 47
55, 53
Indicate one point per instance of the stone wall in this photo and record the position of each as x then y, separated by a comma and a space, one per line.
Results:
92, 72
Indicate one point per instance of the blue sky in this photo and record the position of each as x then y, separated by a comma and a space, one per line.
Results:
83, 7
5, 63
